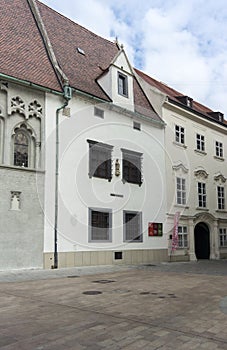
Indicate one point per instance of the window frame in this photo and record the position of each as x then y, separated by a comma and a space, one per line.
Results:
183, 237
202, 195
97, 169
179, 134
132, 167
24, 132
222, 237
91, 211
181, 191
137, 214
122, 84
200, 142
220, 197
219, 150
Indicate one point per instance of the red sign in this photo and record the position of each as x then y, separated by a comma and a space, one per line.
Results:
154, 229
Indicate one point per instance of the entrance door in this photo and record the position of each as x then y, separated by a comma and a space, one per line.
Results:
202, 241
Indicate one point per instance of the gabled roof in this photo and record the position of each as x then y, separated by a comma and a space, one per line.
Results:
173, 94
23, 54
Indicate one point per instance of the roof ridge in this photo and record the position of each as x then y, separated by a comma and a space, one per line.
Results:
75, 23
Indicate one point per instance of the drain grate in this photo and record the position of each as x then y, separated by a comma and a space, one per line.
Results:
104, 281
145, 293
92, 292
73, 276
150, 265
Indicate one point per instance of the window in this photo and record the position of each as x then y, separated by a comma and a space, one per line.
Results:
219, 149
98, 112
100, 163
15, 200
179, 134
122, 84
132, 163
136, 126
200, 143
100, 225
182, 237
132, 226
181, 191
221, 197
223, 237
21, 148
202, 194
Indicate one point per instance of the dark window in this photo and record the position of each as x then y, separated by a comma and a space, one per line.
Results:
132, 226
99, 112
136, 126
179, 134
223, 237
202, 194
21, 145
132, 164
100, 163
219, 149
221, 197
122, 84
100, 223
200, 142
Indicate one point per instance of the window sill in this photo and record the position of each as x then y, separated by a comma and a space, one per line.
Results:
12, 167
180, 144
181, 206
221, 211
219, 158
202, 153
201, 208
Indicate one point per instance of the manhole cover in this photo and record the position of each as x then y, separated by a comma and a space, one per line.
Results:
144, 293
73, 276
104, 281
92, 292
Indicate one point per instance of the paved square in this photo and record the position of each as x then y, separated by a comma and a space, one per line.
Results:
131, 308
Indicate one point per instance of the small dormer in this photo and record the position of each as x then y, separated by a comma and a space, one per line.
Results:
217, 116
186, 100
117, 81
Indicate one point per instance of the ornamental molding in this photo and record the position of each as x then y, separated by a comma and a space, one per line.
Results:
204, 217
220, 178
200, 173
180, 166
33, 109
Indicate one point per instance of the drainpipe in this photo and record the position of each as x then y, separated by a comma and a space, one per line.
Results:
67, 96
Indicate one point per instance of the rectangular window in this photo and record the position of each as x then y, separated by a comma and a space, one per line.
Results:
200, 142
100, 162
132, 164
98, 112
122, 84
221, 197
219, 149
182, 237
202, 195
223, 237
179, 134
181, 191
136, 126
132, 226
100, 225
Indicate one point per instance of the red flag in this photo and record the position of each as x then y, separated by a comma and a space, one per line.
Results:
175, 231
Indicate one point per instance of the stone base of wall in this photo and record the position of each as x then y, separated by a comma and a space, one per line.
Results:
223, 255
92, 258
176, 258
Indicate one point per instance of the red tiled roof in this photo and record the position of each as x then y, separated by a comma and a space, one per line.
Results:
23, 54
172, 94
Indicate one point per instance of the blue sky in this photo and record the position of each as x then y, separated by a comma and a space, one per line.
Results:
181, 43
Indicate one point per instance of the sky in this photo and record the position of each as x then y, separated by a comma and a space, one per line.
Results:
181, 43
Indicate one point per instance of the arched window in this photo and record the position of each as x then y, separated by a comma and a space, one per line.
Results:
21, 148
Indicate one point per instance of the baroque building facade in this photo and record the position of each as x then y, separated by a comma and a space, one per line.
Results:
97, 158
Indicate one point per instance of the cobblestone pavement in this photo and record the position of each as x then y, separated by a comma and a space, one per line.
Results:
162, 307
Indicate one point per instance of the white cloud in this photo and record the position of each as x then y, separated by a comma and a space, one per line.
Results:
184, 44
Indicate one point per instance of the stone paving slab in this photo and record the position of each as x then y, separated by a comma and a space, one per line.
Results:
147, 308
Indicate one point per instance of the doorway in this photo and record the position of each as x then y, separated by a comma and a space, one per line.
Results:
202, 241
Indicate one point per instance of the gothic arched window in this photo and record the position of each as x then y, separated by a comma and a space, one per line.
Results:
21, 148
